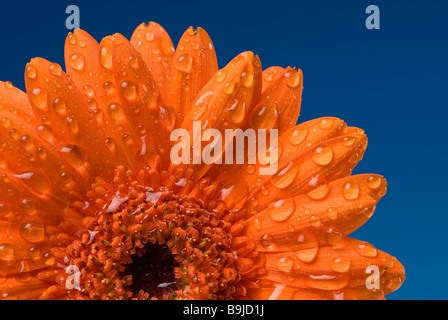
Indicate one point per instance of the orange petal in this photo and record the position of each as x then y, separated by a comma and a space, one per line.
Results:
335, 268
140, 123
194, 64
26, 286
65, 115
225, 103
270, 76
279, 106
322, 216
157, 50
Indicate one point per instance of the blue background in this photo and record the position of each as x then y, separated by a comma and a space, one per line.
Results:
391, 82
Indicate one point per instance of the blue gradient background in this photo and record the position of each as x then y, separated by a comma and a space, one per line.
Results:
391, 82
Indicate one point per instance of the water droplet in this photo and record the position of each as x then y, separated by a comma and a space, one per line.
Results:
286, 176
319, 193
128, 90
348, 141
285, 264
59, 106
201, 105
258, 224
184, 63
74, 155
281, 210
326, 124
31, 72
116, 112
71, 38
77, 61
110, 143
350, 191
55, 69
72, 125
221, 75
332, 213
326, 282
32, 230
250, 169
340, 264
229, 87
106, 57
266, 241
38, 98
298, 136
167, 117
149, 36
264, 117
306, 251
366, 250
45, 132
6, 252
292, 79
315, 221
374, 182
36, 180
247, 78
323, 156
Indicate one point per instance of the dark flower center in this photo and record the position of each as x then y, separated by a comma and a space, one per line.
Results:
153, 271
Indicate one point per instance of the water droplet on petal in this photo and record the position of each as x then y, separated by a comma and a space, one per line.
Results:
298, 136
128, 90
315, 221
77, 61
32, 230
258, 224
184, 63
55, 69
286, 176
333, 213
323, 156
374, 182
285, 264
36, 180
31, 72
319, 193
6, 252
340, 264
350, 191
247, 78
74, 155
59, 106
221, 75
281, 210
39, 99
292, 79
229, 87
366, 250
106, 57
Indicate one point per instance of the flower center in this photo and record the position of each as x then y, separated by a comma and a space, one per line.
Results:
153, 272
144, 241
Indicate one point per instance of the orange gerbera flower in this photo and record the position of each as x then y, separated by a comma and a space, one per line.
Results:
91, 207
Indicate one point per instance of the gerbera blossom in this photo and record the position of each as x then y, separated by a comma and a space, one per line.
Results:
87, 182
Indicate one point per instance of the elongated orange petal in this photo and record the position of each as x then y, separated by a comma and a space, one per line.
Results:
26, 286
157, 50
303, 164
224, 102
270, 76
279, 106
322, 216
140, 123
335, 268
194, 64
65, 114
